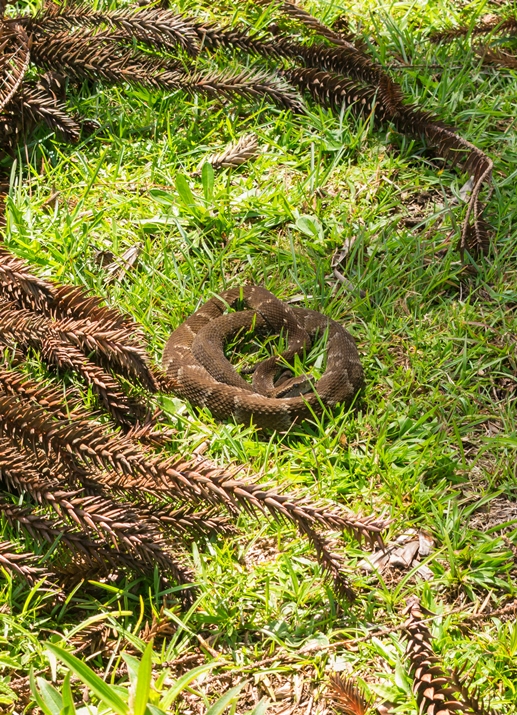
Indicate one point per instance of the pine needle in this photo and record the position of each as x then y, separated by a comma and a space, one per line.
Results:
18, 563
236, 153
14, 62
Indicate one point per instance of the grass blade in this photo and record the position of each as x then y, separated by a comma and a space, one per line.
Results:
51, 703
101, 689
184, 682
143, 682
226, 700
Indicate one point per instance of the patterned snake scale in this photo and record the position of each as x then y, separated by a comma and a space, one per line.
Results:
199, 372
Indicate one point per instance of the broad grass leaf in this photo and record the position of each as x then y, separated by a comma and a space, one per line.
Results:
102, 690
401, 679
226, 700
143, 683
260, 708
153, 710
133, 665
311, 227
49, 700
184, 682
184, 191
207, 177
68, 701
7, 662
162, 197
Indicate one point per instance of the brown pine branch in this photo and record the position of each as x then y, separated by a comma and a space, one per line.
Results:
81, 319
26, 472
36, 393
213, 37
70, 301
155, 27
86, 443
494, 24
336, 92
121, 523
39, 105
63, 355
220, 486
312, 23
470, 696
18, 283
10, 355
186, 519
245, 83
129, 553
155, 506
389, 99
354, 63
258, 498
97, 637
18, 563
53, 531
114, 348
436, 692
236, 153
455, 149
101, 56
369, 80
149, 433
37, 331
14, 62
24, 326
348, 61
51, 402
74, 303
331, 562
129, 529
48, 404
498, 57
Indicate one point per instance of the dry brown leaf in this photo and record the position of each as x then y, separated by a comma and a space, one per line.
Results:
346, 696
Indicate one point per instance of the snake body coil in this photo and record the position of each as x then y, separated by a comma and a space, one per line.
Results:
200, 373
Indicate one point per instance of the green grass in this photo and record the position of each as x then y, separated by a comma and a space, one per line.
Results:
431, 442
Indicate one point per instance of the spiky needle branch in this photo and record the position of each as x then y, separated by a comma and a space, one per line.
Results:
492, 24
342, 73
143, 46
155, 47
482, 35
117, 505
73, 332
436, 692
235, 154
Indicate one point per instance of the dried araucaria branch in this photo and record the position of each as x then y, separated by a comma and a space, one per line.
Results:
236, 153
437, 692
81, 43
346, 696
120, 506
